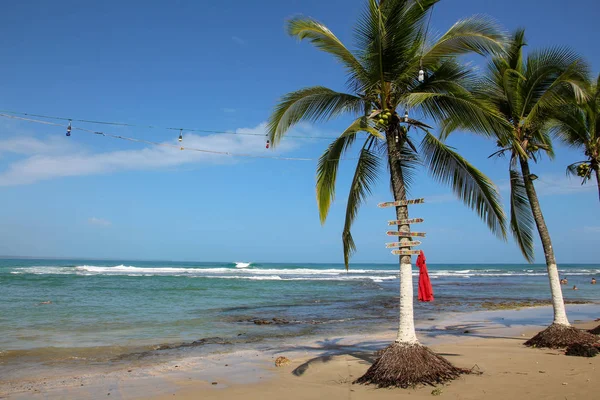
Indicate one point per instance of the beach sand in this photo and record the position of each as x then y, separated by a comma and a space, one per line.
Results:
326, 368
508, 369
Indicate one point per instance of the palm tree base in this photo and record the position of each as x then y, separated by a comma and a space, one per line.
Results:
595, 331
557, 336
408, 365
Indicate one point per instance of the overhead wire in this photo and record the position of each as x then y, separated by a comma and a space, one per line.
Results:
70, 127
88, 121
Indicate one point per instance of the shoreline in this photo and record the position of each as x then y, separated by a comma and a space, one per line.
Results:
252, 366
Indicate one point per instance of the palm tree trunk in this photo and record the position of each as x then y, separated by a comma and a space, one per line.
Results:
597, 169
558, 304
406, 328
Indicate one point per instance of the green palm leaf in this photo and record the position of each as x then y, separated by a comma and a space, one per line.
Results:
310, 104
365, 176
467, 182
521, 218
323, 39
475, 34
329, 161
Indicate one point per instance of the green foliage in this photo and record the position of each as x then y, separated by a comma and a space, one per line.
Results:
526, 99
382, 69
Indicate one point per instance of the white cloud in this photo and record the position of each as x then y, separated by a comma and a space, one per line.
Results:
553, 184
238, 40
99, 221
53, 158
591, 229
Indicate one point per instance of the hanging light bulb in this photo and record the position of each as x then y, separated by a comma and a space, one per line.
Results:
180, 135
69, 129
421, 75
397, 138
406, 116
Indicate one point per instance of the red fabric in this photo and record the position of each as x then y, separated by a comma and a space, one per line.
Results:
425, 289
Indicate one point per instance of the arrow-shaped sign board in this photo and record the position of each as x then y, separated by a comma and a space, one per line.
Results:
406, 252
405, 221
400, 244
400, 203
405, 234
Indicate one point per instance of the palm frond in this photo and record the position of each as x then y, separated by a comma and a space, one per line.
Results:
476, 34
328, 163
323, 39
555, 77
365, 176
469, 184
310, 104
521, 217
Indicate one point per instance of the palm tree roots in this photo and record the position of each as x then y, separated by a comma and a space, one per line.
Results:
408, 365
595, 331
558, 336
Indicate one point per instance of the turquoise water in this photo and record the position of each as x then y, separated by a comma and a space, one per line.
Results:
125, 306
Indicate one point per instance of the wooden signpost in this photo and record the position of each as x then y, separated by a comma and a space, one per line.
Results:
400, 203
400, 244
406, 252
405, 234
406, 221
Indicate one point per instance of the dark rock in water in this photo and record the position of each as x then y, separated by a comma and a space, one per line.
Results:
195, 343
280, 321
262, 322
582, 350
273, 321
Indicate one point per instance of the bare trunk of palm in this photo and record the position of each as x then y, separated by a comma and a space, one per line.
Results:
560, 315
406, 362
597, 169
406, 326
560, 333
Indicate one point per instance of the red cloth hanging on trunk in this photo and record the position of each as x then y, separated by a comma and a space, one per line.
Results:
425, 289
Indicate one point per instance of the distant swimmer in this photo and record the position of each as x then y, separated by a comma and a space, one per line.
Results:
564, 281
593, 281
45, 302
575, 287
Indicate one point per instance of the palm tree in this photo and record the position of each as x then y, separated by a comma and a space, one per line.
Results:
527, 94
392, 70
579, 127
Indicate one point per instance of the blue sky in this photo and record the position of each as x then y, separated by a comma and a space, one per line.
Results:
222, 66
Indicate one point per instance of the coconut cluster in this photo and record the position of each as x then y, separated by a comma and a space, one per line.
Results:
583, 170
383, 119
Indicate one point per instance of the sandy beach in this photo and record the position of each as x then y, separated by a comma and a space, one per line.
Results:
502, 368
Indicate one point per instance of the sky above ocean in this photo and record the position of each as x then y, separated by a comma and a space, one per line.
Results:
222, 66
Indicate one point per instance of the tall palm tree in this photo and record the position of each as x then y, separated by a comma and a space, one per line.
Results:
527, 94
579, 127
393, 69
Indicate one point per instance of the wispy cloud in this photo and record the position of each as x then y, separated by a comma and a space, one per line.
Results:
553, 184
99, 221
238, 40
52, 158
228, 110
591, 229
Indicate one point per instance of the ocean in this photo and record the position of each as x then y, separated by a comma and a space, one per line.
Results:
107, 311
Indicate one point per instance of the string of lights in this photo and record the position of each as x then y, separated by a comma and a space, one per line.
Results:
88, 121
69, 128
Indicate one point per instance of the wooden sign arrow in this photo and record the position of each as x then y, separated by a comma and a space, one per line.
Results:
400, 244
405, 234
406, 221
406, 252
400, 203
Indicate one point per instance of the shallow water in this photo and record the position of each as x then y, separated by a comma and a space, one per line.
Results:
106, 311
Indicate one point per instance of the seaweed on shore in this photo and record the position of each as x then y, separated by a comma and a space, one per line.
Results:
558, 336
595, 331
402, 365
582, 350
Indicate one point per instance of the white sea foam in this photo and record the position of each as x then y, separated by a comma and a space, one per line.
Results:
257, 273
